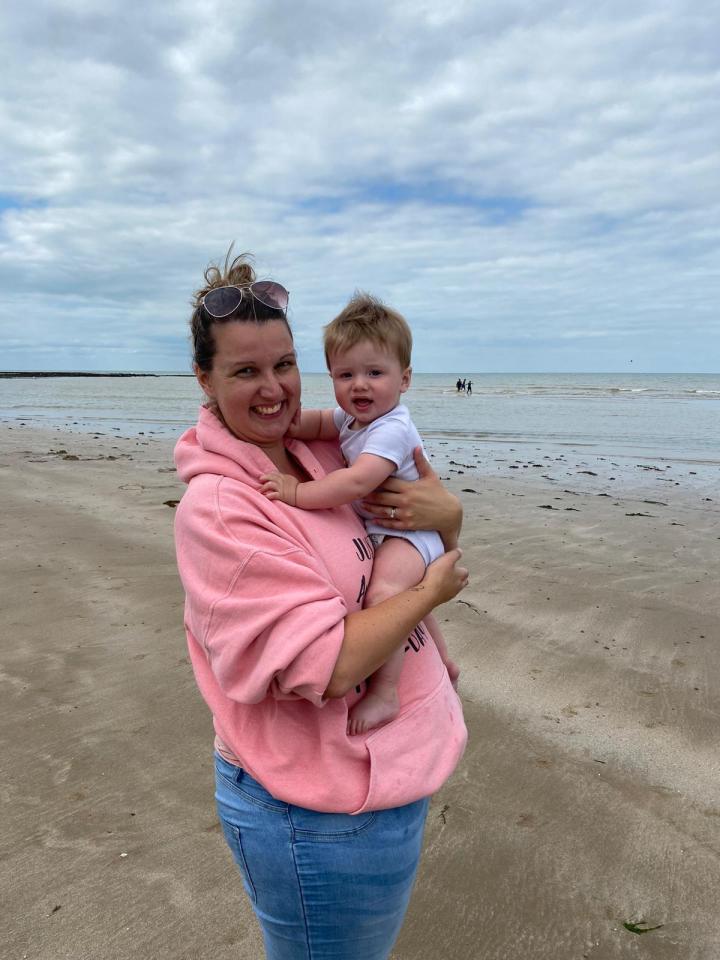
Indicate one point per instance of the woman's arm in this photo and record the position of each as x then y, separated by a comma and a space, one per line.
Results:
422, 504
372, 635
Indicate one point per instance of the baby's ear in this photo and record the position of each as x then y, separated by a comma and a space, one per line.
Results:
406, 378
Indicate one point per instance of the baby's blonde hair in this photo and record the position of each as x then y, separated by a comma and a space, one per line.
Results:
367, 318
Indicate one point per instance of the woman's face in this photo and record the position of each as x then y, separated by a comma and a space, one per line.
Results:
254, 380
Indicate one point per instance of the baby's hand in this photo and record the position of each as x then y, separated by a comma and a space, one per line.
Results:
279, 486
294, 428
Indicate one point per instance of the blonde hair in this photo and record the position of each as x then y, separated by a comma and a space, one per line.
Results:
367, 318
235, 272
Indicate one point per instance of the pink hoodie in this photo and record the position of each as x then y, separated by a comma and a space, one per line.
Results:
267, 589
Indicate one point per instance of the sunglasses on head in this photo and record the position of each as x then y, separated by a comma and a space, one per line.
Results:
222, 301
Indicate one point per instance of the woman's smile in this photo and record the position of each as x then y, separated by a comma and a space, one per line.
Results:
268, 411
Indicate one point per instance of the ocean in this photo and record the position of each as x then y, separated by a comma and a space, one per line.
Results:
671, 417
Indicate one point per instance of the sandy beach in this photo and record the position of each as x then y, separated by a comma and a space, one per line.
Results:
582, 824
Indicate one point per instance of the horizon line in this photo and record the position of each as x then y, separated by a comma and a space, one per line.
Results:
9, 374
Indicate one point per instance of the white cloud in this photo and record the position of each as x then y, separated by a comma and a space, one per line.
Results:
543, 175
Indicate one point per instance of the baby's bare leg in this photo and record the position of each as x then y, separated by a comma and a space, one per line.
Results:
397, 566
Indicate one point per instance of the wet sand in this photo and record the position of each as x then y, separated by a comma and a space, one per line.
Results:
590, 646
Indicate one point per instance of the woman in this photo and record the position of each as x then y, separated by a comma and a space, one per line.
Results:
325, 828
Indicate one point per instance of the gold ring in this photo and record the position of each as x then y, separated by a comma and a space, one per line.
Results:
392, 513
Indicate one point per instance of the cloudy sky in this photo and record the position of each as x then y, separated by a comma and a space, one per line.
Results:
536, 185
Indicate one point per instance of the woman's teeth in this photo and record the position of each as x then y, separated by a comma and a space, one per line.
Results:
267, 411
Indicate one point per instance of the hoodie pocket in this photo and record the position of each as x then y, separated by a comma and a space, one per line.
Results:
412, 756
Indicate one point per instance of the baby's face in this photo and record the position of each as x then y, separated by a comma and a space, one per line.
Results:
368, 381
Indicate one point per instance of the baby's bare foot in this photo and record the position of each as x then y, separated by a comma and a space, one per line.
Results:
374, 710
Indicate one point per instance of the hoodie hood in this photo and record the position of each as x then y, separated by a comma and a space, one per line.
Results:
210, 448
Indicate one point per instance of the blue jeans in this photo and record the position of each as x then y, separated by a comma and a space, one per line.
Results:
324, 886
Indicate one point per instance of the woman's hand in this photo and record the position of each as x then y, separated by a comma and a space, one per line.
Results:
422, 504
444, 577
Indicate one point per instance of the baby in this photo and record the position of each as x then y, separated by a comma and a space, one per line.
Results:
367, 349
